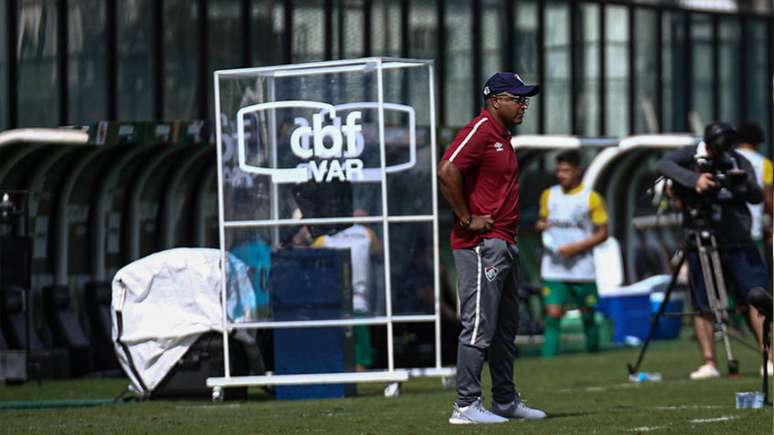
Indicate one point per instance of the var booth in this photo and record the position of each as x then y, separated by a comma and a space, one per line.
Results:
327, 176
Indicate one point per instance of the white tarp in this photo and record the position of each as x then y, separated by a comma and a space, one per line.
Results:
161, 304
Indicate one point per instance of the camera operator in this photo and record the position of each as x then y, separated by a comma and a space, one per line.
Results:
714, 183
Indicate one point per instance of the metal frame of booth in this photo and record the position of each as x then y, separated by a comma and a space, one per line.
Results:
391, 374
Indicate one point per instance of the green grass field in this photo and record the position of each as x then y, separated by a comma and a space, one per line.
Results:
581, 393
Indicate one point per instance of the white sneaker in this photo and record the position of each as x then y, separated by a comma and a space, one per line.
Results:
517, 409
706, 371
474, 413
769, 368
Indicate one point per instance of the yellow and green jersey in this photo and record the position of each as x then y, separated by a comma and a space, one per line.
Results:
571, 217
764, 176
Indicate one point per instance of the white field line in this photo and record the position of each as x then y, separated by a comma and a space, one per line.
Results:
683, 407
600, 388
714, 420
647, 428
198, 407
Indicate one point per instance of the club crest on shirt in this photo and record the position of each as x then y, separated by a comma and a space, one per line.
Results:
498, 146
490, 272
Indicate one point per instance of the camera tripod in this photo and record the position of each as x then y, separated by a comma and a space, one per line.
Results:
717, 296
765, 357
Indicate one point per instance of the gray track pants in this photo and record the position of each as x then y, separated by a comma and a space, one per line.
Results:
486, 282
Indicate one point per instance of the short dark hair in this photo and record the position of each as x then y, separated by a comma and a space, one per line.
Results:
750, 132
572, 157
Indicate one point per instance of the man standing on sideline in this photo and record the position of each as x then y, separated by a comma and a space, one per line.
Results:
479, 177
750, 136
573, 221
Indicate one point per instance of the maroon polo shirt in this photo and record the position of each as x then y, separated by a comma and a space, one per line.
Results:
483, 153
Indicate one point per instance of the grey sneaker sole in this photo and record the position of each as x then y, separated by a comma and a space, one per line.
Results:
454, 420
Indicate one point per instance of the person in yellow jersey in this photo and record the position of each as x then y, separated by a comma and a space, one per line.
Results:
750, 136
363, 246
572, 220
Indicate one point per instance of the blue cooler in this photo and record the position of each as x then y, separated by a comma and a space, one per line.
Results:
630, 314
668, 326
629, 307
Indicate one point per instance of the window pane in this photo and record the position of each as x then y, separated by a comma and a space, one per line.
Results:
181, 60
728, 52
3, 69
492, 37
385, 21
268, 27
673, 74
308, 31
645, 63
224, 21
351, 29
423, 28
459, 64
135, 60
757, 81
526, 58
587, 109
38, 74
556, 91
87, 64
617, 71
701, 72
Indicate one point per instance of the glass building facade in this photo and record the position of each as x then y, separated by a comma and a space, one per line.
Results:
607, 68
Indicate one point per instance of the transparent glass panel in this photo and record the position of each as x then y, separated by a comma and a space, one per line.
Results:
587, 109
411, 256
337, 275
305, 144
407, 142
86, 61
645, 64
268, 27
556, 91
308, 31
269, 137
458, 96
386, 37
616, 70
38, 73
181, 60
729, 60
525, 55
135, 60
701, 72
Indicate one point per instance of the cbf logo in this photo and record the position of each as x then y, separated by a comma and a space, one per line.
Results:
338, 167
330, 146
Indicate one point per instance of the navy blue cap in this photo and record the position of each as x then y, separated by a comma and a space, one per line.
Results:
508, 82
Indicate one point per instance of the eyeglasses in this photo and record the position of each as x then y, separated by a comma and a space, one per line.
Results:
520, 99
